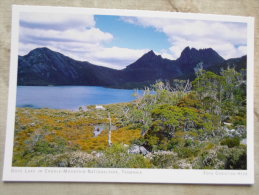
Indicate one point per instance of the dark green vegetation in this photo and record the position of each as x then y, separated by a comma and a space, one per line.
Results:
43, 66
177, 124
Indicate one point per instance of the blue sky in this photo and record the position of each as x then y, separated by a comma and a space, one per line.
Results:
130, 35
117, 41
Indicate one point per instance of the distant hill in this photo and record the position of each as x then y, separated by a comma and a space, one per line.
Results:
43, 66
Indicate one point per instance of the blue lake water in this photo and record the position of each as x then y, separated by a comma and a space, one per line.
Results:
70, 97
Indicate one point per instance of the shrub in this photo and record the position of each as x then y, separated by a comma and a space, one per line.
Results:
117, 156
67, 159
209, 146
233, 158
44, 147
231, 142
187, 152
237, 159
238, 120
208, 160
164, 160
176, 142
170, 121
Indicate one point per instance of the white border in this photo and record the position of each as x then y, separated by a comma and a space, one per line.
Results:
128, 175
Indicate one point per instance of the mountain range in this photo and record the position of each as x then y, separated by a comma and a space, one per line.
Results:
43, 66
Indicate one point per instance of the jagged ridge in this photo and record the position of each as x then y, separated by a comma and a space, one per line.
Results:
43, 66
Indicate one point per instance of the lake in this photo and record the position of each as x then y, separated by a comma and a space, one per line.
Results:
70, 97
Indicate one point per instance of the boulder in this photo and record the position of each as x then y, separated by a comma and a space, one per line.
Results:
241, 130
99, 107
63, 164
136, 149
143, 150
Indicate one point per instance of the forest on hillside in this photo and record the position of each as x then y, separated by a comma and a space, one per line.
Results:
174, 124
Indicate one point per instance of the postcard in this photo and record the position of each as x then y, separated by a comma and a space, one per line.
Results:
105, 95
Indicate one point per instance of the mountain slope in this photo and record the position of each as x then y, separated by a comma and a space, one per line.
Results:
43, 66
151, 67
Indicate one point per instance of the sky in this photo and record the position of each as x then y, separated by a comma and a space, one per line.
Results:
117, 41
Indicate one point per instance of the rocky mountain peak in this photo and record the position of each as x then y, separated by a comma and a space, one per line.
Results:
192, 56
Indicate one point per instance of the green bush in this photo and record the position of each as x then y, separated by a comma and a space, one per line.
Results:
44, 147
237, 159
238, 120
233, 158
231, 142
187, 152
167, 120
164, 160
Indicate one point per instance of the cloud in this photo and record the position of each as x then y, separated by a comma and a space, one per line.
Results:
224, 48
75, 36
56, 21
112, 57
109, 56
227, 38
92, 35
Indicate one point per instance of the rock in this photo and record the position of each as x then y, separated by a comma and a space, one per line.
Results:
62, 164
99, 154
99, 107
143, 150
241, 130
244, 141
136, 149
228, 124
